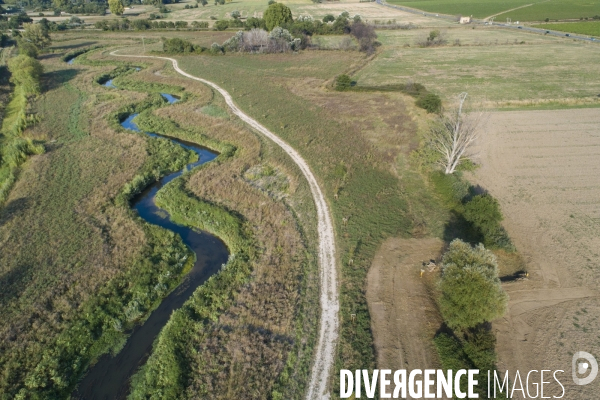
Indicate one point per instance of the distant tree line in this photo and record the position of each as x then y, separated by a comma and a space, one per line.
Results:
147, 24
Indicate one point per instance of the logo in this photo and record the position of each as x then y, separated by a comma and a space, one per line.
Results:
580, 367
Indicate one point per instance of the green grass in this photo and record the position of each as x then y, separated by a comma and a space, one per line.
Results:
553, 9
498, 69
369, 194
88, 289
588, 28
477, 8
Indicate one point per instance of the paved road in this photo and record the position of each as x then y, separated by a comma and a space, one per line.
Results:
501, 25
329, 299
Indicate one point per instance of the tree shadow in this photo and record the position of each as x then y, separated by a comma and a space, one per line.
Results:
13, 209
74, 46
458, 227
55, 79
48, 56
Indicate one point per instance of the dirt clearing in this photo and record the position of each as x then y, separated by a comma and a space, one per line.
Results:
544, 168
403, 315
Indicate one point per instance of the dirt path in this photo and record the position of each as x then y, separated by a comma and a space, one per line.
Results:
404, 318
328, 329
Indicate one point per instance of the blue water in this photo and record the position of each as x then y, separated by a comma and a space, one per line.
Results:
109, 377
109, 84
170, 98
70, 61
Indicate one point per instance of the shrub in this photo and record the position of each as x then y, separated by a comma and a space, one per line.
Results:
221, 25
343, 82
435, 38
199, 25
430, 102
483, 211
328, 18
177, 45
470, 289
254, 22
215, 48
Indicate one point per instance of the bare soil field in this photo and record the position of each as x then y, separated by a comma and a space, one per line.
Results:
403, 315
544, 168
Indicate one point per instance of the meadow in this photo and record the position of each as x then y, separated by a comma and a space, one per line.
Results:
583, 28
498, 69
527, 10
96, 277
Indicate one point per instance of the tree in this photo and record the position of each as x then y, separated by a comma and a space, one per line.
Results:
37, 35
27, 48
328, 18
116, 7
26, 72
60, 3
430, 102
343, 82
277, 15
235, 14
452, 135
365, 34
254, 22
471, 293
221, 24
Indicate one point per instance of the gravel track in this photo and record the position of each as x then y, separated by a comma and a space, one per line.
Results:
329, 299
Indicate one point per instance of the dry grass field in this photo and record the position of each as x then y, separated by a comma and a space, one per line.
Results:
498, 68
544, 168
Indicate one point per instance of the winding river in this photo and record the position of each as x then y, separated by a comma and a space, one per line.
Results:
109, 377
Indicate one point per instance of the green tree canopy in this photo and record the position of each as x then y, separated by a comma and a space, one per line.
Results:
277, 15
483, 211
26, 71
27, 48
60, 3
37, 35
471, 290
116, 7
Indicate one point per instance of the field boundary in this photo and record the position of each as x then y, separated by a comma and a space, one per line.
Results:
329, 298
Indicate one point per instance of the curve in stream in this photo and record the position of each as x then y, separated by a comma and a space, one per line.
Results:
109, 377
329, 300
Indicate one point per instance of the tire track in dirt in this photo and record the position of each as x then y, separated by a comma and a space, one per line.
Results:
329, 299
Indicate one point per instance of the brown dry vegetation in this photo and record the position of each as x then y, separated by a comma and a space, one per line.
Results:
259, 328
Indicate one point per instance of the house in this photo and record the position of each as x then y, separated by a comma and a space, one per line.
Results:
465, 20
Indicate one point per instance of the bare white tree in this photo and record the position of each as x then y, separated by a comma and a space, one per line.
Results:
453, 133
